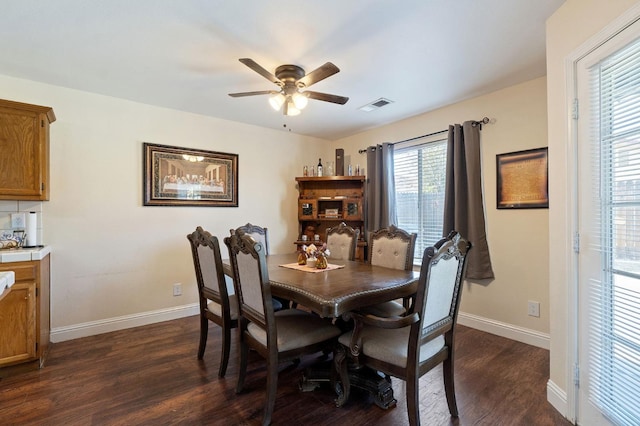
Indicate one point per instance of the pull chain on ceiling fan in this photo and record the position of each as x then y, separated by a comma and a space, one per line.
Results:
292, 79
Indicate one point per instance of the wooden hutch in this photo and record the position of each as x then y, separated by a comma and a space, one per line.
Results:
324, 202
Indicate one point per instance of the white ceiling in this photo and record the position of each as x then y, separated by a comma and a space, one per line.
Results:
183, 54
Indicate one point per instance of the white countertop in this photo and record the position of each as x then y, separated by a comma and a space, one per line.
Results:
24, 254
7, 278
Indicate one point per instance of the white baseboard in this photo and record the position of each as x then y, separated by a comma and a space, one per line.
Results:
520, 334
558, 399
60, 334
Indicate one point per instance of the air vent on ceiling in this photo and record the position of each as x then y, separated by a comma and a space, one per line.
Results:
378, 103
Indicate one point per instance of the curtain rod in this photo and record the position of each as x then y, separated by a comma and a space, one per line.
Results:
485, 120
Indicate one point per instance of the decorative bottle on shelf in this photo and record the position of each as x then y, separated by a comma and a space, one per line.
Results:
319, 166
329, 170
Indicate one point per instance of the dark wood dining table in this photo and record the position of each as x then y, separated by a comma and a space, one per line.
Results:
334, 292
331, 293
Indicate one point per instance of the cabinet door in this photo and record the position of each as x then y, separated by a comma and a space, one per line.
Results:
307, 209
18, 324
24, 144
352, 209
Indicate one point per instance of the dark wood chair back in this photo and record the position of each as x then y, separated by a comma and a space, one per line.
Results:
217, 303
408, 347
392, 247
342, 241
251, 279
258, 233
277, 336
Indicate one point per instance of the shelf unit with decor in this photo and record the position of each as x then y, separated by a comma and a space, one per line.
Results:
324, 202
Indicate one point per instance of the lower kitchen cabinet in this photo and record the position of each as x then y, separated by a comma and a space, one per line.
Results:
25, 316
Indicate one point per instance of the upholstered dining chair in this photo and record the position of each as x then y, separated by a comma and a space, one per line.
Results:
217, 303
258, 233
276, 336
261, 235
391, 247
342, 241
408, 347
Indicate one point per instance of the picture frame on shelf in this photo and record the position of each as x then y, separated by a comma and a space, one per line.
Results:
331, 213
177, 176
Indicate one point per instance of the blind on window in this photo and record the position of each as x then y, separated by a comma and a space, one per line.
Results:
614, 337
420, 184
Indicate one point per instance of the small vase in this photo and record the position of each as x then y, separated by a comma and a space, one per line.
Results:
311, 262
302, 258
321, 263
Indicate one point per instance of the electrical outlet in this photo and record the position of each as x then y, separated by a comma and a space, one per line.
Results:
17, 220
177, 289
534, 309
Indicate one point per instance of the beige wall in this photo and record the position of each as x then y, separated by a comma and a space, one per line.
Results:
114, 260
518, 239
571, 26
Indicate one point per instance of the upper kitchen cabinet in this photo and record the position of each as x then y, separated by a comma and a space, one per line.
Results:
24, 151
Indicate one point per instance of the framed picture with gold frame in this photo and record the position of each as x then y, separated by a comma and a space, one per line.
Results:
523, 179
175, 176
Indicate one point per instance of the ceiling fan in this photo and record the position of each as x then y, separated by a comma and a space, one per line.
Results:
292, 80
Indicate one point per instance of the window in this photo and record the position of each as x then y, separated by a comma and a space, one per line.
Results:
420, 172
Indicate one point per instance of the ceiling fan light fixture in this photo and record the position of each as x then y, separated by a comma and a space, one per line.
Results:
277, 101
300, 100
291, 109
290, 79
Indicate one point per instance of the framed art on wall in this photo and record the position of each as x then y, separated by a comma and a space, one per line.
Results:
523, 179
175, 176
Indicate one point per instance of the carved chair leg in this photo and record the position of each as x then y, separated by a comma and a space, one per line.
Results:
204, 331
413, 404
272, 387
343, 385
226, 346
242, 368
449, 386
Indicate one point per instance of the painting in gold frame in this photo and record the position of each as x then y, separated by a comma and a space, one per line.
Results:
523, 179
175, 176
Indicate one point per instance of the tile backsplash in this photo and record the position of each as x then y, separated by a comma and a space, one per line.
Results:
7, 207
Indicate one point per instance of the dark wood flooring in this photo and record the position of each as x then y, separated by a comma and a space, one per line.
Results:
150, 375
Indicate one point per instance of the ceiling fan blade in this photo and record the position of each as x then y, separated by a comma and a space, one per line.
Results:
261, 92
263, 72
326, 97
327, 70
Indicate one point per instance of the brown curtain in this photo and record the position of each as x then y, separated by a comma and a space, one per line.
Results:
381, 191
463, 205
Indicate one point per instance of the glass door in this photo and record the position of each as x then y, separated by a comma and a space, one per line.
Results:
609, 232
